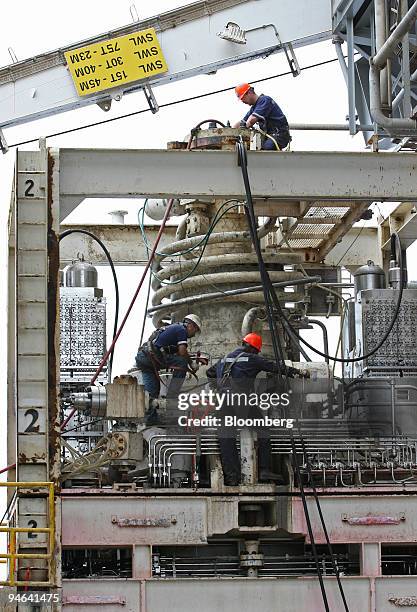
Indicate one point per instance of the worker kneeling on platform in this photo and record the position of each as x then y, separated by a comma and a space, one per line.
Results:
237, 373
166, 349
265, 112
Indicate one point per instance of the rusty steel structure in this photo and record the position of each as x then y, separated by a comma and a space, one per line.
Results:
106, 512
142, 514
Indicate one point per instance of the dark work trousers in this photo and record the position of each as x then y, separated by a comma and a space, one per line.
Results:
282, 138
149, 369
227, 441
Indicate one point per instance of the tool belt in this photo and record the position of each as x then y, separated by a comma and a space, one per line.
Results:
280, 134
159, 354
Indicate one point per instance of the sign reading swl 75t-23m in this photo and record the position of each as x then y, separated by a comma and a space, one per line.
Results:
116, 61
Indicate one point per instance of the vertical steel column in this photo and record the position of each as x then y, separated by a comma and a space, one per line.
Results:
405, 66
11, 337
380, 38
36, 396
351, 76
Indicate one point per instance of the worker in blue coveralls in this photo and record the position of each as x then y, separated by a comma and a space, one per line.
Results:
166, 349
267, 114
237, 372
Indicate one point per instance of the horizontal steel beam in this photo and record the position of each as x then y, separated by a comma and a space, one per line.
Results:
124, 243
241, 594
126, 246
283, 176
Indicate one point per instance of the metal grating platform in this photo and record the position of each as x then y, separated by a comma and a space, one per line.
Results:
317, 229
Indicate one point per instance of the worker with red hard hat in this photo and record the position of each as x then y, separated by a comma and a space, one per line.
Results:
237, 371
265, 112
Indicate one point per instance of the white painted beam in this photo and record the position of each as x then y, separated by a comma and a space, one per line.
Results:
126, 246
42, 86
293, 176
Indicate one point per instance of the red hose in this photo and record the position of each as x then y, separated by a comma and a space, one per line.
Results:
7, 468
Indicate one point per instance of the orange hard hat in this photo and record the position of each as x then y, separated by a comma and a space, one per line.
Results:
242, 89
253, 340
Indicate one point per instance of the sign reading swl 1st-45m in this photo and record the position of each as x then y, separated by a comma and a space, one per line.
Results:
116, 61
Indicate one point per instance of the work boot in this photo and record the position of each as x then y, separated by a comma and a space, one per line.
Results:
151, 415
267, 476
231, 480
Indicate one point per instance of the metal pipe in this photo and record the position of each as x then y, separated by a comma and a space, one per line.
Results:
380, 59
337, 41
378, 62
212, 261
406, 80
175, 247
250, 316
219, 278
305, 280
181, 229
329, 127
380, 38
232, 292
325, 336
410, 125
220, 237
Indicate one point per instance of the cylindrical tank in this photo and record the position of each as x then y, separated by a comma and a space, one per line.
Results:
81, 274
155, 209
369, 276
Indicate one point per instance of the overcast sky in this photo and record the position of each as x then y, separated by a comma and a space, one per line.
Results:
29, 28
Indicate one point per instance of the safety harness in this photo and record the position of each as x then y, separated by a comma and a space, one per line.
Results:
228, 363
157, 354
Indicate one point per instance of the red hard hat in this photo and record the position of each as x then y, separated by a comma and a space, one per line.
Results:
242, 89
254, 340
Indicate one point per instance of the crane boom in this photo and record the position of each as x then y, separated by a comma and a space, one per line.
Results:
190, 39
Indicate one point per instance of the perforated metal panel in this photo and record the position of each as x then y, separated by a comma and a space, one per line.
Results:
83, 333
399, 351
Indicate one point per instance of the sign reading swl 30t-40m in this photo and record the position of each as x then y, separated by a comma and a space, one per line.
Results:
116, 61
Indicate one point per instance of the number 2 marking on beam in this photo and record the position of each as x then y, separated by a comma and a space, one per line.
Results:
30, 185
35, 416
33, 524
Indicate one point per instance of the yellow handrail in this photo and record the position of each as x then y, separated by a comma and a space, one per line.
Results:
13, 555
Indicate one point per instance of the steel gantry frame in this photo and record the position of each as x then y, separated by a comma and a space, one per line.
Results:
49, 184
382, 81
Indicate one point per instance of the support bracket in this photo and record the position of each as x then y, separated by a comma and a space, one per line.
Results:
292, 59
3, 144
150, 98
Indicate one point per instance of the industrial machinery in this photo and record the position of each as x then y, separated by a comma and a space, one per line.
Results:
109, 513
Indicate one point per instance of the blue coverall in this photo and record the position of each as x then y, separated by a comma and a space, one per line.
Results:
272, 121
164, 355
245, 367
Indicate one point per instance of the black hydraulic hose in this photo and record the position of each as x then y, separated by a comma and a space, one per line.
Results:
325, 335
271, 294
309, 527
195, 129
113, 271
399, 257
323, 524
266, 281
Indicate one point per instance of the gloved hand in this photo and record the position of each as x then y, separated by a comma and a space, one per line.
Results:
202, 360
292, 372
242, 123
